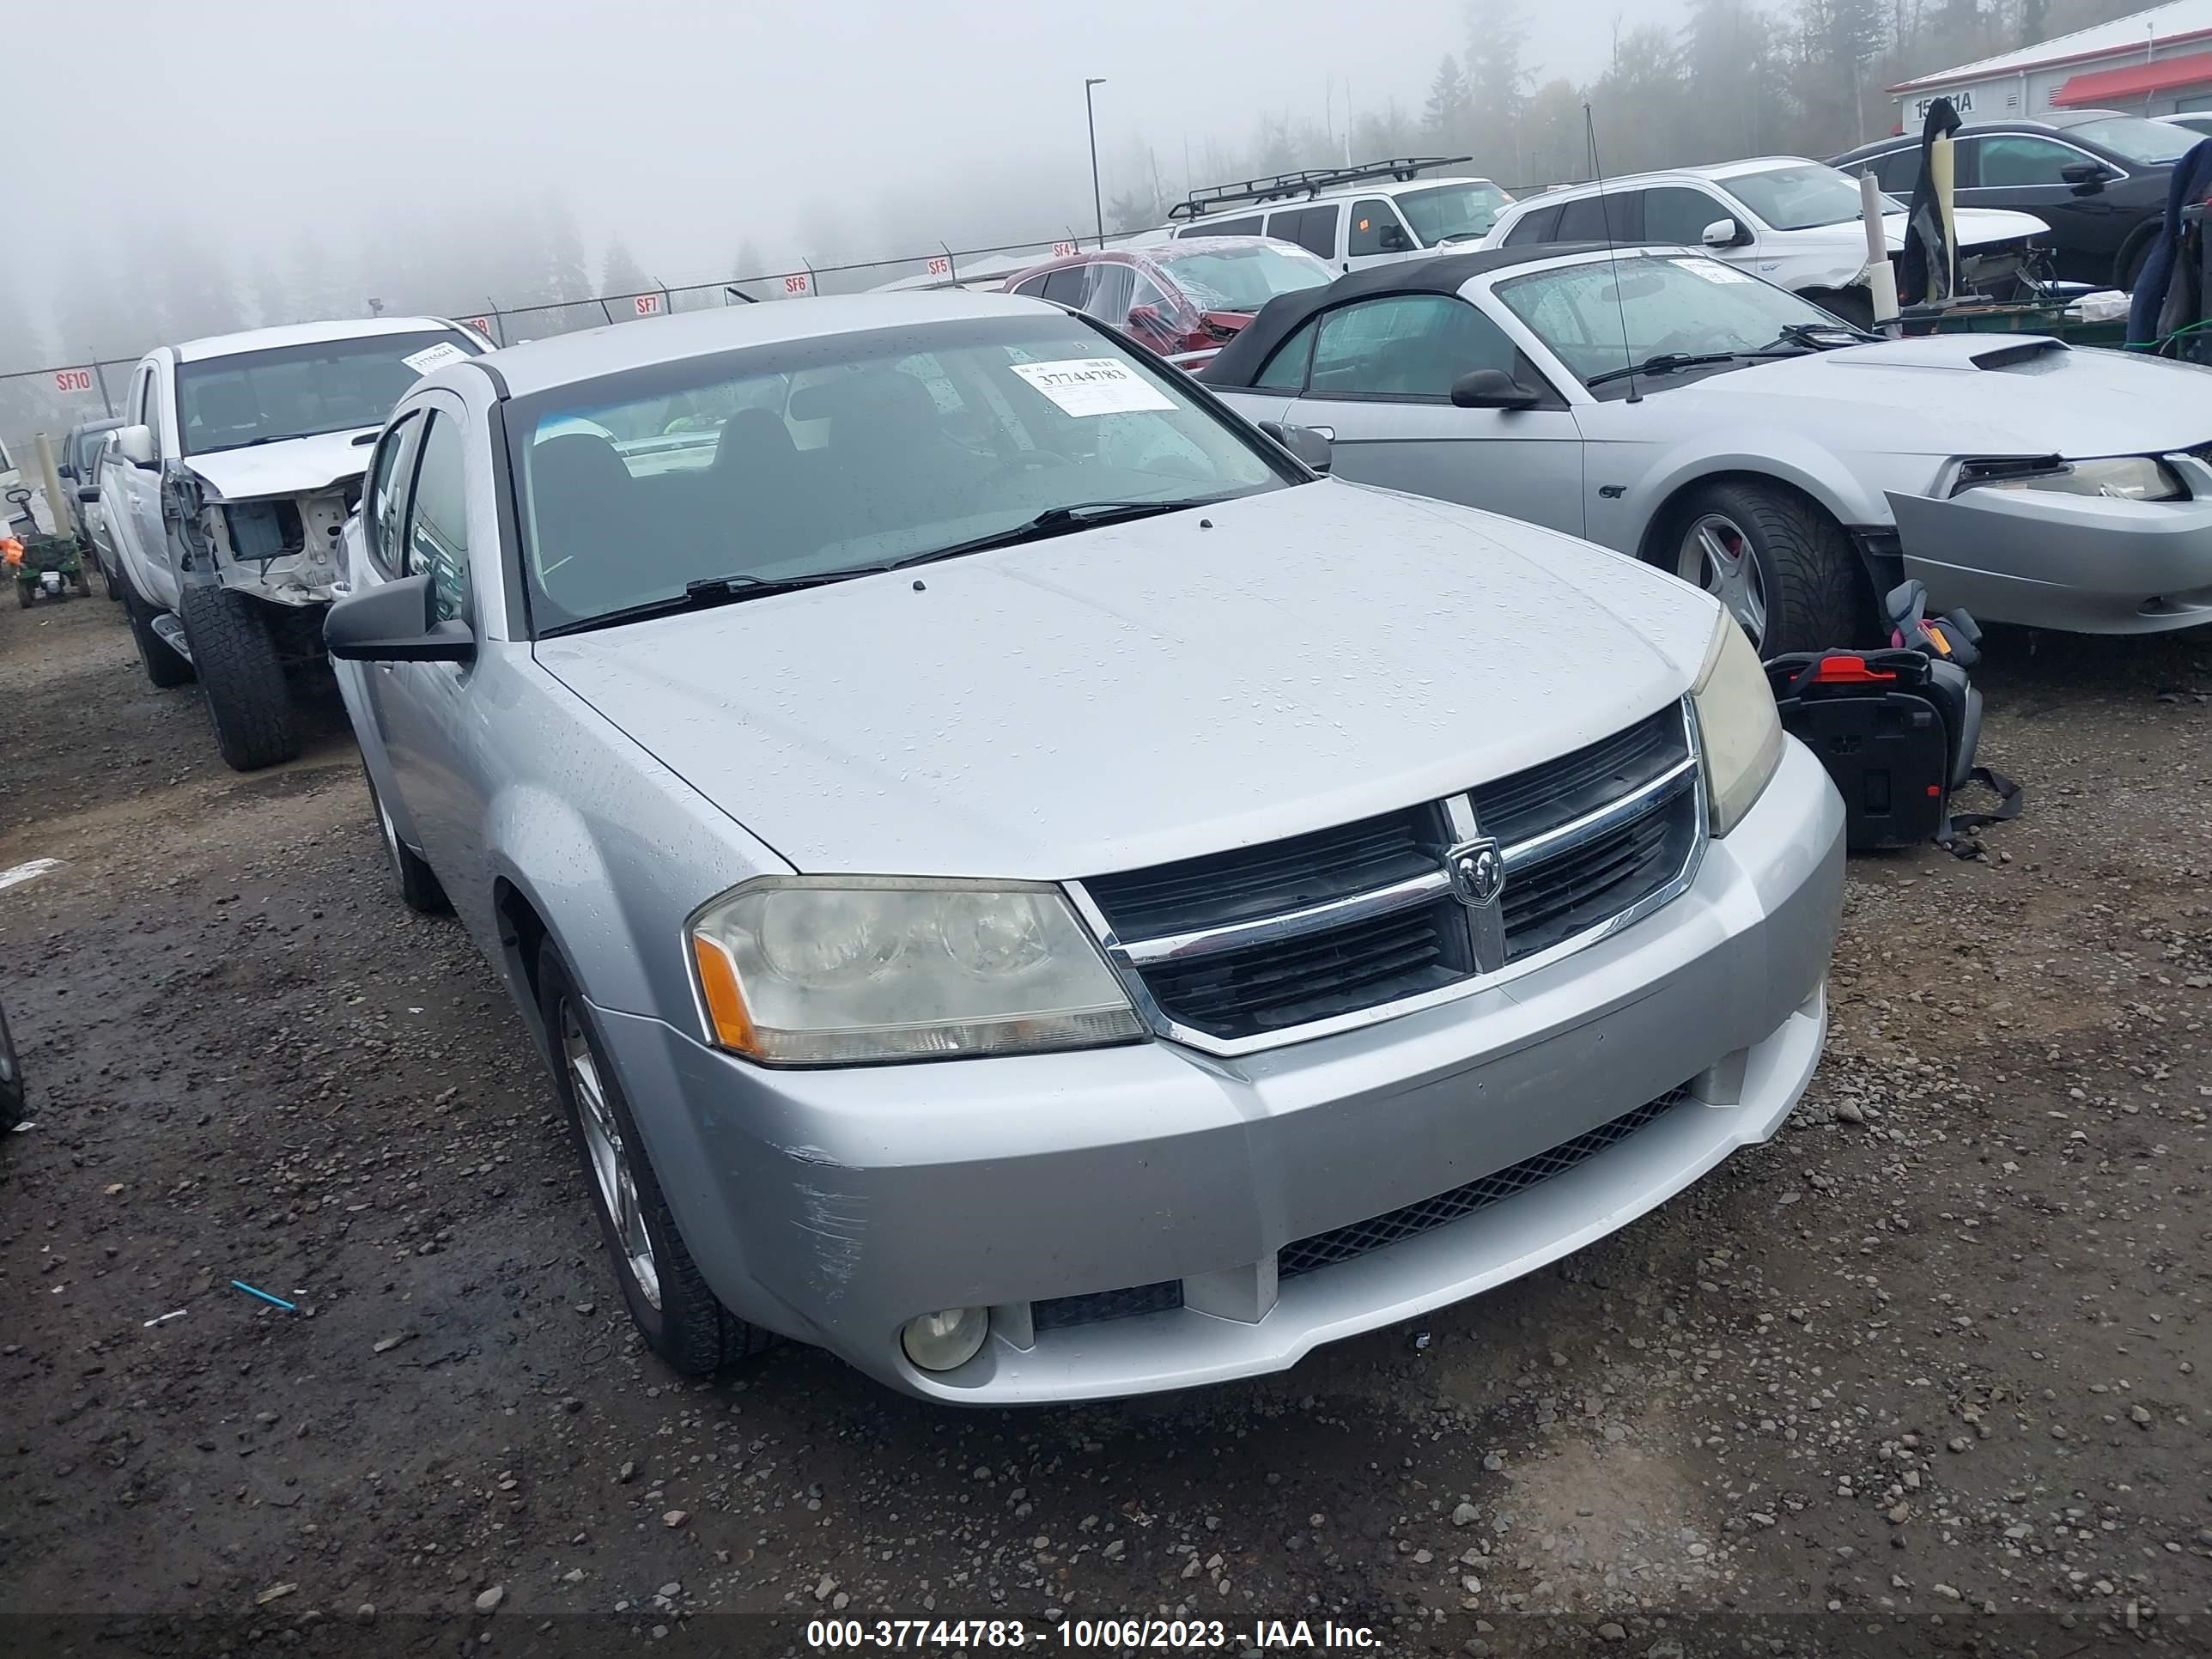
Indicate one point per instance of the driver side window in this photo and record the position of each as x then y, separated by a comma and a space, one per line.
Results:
387, 489
1409, 345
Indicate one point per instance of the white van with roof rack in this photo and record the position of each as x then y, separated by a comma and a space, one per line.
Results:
1352, 216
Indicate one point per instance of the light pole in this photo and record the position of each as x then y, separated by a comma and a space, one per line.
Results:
1091, 120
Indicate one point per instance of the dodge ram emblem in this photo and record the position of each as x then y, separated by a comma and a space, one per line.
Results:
1477, 869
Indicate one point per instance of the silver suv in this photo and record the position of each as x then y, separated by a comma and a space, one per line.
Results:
1024, 883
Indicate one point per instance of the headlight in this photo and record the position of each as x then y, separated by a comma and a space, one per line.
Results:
1740, 727
830, 970
2122, 477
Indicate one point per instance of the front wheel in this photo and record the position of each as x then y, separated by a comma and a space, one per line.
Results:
241, 679
668, 1300
1782, 568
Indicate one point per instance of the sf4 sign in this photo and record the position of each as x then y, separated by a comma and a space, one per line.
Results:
1063, 250
648, 305
72, 380
798, 285
940, 266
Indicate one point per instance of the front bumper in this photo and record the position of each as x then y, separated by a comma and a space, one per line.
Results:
2082, 564
835, 1205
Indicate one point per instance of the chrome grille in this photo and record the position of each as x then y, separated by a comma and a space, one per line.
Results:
1379, 1232
1238, 950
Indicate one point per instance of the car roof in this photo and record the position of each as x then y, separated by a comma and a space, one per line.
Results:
1714, 172
291, 334
561, 359
104, 424
1443, 273
2056, 121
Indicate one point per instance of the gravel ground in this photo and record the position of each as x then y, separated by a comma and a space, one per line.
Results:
1925, 1374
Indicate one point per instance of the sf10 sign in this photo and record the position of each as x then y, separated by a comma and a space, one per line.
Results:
798, 285
72, 380
648, 305
1063, 250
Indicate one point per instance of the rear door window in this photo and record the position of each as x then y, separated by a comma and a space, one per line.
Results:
1286, 370
1537, 225
1595, 219
1313, 228
1112, 290
1254, 226
1065, 286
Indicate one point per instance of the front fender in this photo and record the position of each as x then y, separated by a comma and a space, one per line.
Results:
1623, 523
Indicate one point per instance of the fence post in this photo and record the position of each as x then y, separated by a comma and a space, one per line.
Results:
951, 265
99, 377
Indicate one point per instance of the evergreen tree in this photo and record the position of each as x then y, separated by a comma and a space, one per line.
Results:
1443, 118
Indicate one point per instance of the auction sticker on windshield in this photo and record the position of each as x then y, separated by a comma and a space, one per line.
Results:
436, 356
1091, 386
1713, 272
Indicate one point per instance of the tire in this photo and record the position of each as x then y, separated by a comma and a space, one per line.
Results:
1854, 305
1804, 589
12, 1092
113, 580
24, 593
678, 1316
241, 679
418, 885
81, 579
2127, 268
164, 667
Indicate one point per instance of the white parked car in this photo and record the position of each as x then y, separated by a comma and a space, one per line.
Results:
1794, 222
1352, 217
225, 495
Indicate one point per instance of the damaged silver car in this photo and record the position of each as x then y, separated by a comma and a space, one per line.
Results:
1665, 404
224, 495
1024, 882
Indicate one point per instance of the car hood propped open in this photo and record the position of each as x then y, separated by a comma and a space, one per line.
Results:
1212, 678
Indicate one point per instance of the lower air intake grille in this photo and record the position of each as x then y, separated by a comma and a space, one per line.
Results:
1379, 1232
1062, 1311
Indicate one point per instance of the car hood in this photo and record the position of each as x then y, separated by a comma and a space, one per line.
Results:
298, 466
1140, 693
1976, 227
1969, 394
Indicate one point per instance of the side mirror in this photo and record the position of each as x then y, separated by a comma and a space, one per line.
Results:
65, 470
396, 622
2088, 177
1394, 239
1491, 388
1725, 232
1302, 442
135, 444
87, 492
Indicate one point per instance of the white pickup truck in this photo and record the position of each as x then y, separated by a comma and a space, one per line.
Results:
225, 493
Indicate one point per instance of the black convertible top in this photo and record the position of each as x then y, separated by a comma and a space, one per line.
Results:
1240, 361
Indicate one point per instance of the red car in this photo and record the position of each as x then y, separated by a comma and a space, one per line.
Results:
1183, 299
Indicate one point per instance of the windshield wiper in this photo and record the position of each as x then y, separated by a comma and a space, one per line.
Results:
1665, 363
1054, 522
712, 591
1819, 337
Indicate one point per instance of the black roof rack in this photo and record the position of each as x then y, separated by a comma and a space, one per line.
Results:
1307, 182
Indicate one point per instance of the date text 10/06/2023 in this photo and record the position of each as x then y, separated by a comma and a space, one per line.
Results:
1278, 1635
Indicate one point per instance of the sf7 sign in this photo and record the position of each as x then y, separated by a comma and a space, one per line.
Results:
648, 305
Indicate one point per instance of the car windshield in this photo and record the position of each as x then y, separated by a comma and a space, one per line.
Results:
1243, 278
850, 451
1601, 316
1450, 210
2132, 138
298, 391
1798, 198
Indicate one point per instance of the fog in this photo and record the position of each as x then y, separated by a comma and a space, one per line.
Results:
266, 133
206, 165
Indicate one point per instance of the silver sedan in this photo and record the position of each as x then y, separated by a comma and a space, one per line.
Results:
1021, 882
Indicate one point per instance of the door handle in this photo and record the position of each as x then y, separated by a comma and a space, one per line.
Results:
1328, 432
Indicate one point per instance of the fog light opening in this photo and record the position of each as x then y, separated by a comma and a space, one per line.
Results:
946, 1341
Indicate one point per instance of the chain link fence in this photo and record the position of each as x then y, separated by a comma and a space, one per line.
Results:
53, 399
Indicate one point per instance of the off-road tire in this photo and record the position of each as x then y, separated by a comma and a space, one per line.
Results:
1817, 595
241, 679
419, 887
164, 667
83, 579
691, 1331
2128, 263
24, 593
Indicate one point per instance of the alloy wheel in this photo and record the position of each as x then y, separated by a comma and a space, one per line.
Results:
609, 1156
1717, 555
